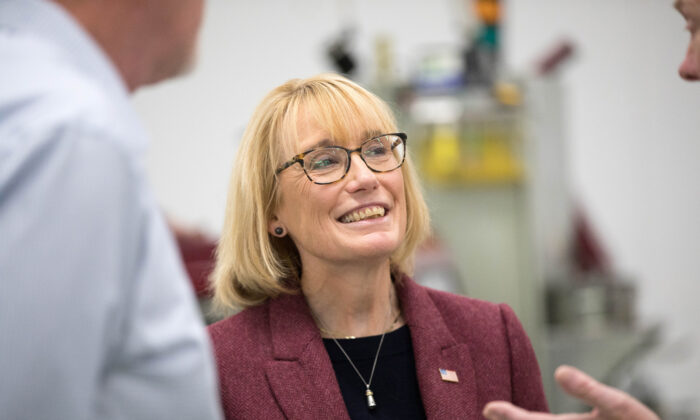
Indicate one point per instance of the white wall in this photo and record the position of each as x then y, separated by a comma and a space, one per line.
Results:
633, 124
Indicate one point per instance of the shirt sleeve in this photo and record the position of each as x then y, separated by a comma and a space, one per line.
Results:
526, 379
96, 317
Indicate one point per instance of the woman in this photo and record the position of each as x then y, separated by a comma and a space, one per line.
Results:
324, 214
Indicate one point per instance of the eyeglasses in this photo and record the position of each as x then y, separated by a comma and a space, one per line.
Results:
329, 164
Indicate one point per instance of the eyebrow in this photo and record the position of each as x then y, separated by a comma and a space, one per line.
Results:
327, 142
373, 133
321, 143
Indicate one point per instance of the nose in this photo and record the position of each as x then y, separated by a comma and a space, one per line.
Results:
690, 67
360, 177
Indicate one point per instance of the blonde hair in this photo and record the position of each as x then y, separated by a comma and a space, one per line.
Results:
251, 264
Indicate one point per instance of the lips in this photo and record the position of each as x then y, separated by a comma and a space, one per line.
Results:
364, 213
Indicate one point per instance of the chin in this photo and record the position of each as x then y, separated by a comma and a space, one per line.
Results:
376, 249
175, 65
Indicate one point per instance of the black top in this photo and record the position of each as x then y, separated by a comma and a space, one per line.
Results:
395, 385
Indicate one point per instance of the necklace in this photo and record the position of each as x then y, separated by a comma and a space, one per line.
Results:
331, 334
371, 403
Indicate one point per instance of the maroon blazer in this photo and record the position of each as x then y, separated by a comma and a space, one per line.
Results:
273, 364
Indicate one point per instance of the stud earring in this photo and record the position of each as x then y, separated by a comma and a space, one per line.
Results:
279, 231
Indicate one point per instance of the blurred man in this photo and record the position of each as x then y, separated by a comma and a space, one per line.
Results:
609, 403
97, 320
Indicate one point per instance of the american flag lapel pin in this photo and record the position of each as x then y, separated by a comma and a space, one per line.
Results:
448, 375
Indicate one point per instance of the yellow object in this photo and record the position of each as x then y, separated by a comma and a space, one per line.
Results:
442, 159
482, 156
508, 93
497, 164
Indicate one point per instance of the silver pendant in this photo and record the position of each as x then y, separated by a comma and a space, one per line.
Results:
370, 399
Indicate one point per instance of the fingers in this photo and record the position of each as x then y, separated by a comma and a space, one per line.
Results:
501, 410
610, 402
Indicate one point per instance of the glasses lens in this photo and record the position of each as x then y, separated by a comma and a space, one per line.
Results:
384, 153
326, 164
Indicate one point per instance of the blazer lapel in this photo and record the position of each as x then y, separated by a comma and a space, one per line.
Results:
435, 348
301, 375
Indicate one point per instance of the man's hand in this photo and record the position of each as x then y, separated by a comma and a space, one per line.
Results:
608, 403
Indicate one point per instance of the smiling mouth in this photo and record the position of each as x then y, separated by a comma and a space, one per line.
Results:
363, 214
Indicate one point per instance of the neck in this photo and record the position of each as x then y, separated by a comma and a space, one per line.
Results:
354, 301
119, 31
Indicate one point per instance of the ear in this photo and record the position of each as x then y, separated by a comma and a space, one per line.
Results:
275, 228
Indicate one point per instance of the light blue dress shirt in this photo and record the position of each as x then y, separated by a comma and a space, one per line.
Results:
97, 318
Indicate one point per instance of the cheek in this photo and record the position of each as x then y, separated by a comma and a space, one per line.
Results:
185, 27
404, 215
191, 13
398, 188
302, 204
197, 17
395, 185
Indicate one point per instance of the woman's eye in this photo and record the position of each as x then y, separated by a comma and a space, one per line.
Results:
375, 151
324, 162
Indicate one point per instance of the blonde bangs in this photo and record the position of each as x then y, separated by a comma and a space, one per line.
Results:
348, 114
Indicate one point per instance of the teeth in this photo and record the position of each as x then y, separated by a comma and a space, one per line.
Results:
362, 214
